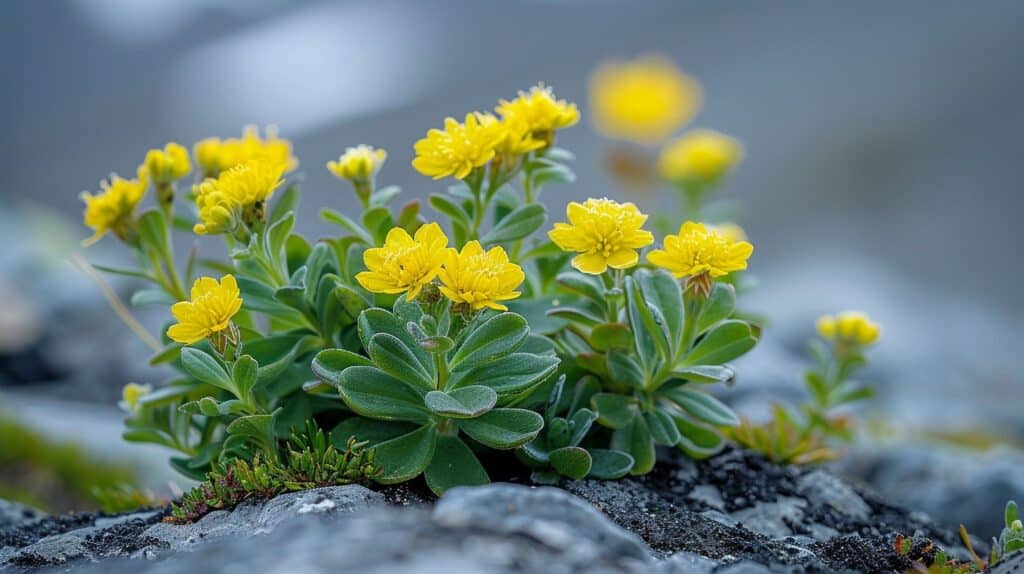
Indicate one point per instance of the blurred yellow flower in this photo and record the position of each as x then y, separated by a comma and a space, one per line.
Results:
238, 194
697, 250
169, 164
404, 263
479, 278
730, 231
604, 232
131, 394
540, 112
113, 209
850, 328
215, 155
209, 311
358, 163
644, 100
458, 148
699, 156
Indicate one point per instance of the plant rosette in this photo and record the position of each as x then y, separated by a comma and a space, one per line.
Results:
433, 391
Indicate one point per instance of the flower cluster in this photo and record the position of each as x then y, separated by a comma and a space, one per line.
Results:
208, 312
604, 232
527, 123
358, 163
215, 155
168, 165
471, 277
237, 196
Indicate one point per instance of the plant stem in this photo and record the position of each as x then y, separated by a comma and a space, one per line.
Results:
115, 302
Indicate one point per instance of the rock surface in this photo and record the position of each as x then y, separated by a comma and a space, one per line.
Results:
734, 513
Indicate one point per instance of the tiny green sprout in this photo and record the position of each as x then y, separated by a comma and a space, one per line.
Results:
1011, 539
559, 451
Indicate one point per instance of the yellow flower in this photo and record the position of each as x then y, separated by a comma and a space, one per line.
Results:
113, 209
539, 112
604, 232
697, 250
238, 194
404, 263
699, 156
849, 327
479, 278
643, 100
458, 148
519, 139
730, 231
358, 163
131, 394
215, 155
169, 164
209, 311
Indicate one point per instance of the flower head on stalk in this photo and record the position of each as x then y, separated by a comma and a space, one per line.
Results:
458, 148
539, 113
850, 329
701, 255
215, 155
699, 156
238, 195
113, 209
208, 313
479, 279
604, 232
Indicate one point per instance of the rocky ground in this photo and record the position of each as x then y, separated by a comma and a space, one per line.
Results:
733, 513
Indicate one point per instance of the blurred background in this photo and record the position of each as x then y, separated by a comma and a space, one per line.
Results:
882, 172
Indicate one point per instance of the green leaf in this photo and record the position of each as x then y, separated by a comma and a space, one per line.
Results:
614, 411
625, 370
504, 428
138, 273
437, 344
375, 394
393, 357
727, 341
369, 430
146, 297
276, 236
636, 440
329, 364
578, 316
453, 464
257, 430
206, 368
347, 224
662, 428
467, 402
698, 440
720, 306
378, 222
511, 377
520, 223
377, 320
609, 464
405, 457
571, 461
661, 291
259, 297
580, 422
495, 338
153, 232
446, 206
589, 286
555, 173
607, 336
702, 406
649, 338
705, 374
244, 376
166, 355
384, 196
1011, 514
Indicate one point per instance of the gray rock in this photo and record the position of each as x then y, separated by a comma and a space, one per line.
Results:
71, 546
707, 494
772, 519
830, 490
953, 486
548, 515
262, 517
13, 514
687, 563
